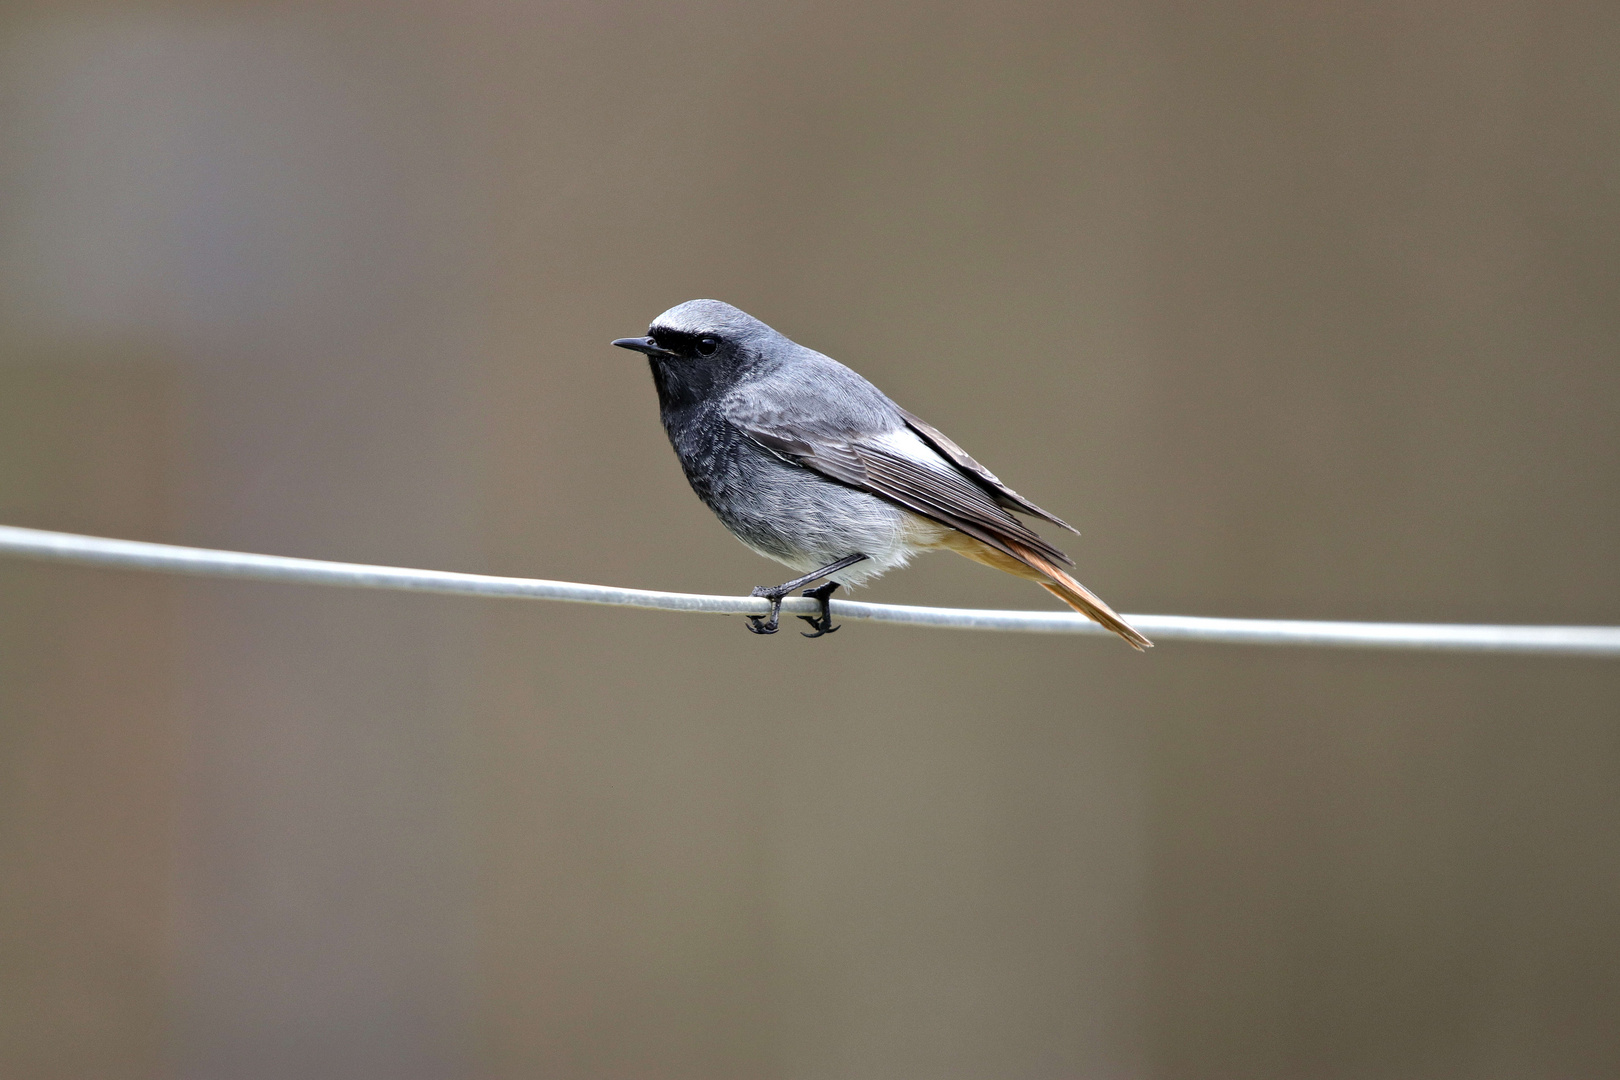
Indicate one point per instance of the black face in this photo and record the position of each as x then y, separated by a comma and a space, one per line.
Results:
686, 367
673, 343
684, 344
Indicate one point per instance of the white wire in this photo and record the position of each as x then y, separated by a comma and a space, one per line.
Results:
167, 558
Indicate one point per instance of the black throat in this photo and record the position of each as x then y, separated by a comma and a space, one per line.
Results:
684, 384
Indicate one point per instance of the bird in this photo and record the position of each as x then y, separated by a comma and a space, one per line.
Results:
812, 466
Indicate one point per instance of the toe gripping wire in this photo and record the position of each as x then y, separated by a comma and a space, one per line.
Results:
822, 623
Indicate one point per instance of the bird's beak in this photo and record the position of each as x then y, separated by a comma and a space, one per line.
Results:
643, 345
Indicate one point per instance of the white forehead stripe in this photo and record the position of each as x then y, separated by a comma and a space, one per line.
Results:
678, 325
700, 317
708, 316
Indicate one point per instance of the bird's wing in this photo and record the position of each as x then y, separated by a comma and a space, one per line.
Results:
899, 467
1000, 492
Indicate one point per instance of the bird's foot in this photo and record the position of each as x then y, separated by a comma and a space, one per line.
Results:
821, 624
767, 624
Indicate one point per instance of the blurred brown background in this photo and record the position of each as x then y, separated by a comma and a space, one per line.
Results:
1297, 310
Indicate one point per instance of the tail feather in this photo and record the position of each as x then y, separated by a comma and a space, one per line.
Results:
1089, 604
1054, 579
1082, 599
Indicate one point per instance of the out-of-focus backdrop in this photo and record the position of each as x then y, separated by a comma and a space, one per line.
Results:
1297, 310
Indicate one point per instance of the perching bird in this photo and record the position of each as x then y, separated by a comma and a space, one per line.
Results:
809, 464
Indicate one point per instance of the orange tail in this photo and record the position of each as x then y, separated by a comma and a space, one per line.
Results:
1054, 579
1089, 604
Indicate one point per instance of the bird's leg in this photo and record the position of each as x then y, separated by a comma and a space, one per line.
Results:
763, 624
822, 624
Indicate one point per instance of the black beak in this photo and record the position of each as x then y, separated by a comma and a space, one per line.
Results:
643, 345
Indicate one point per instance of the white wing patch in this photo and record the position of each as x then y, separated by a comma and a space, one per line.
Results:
906, 443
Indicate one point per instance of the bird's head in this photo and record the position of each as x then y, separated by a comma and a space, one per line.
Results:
701, 347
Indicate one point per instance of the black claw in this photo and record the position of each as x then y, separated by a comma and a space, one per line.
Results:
767, 624
821, 629
822, 624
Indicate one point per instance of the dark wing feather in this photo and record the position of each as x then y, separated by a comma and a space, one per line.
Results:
1003, 495
943, 494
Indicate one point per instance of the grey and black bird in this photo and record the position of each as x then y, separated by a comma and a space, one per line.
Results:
809, 464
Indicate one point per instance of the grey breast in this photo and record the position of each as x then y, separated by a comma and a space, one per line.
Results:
784, 510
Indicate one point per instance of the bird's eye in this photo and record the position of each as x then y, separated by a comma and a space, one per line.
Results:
707, 345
